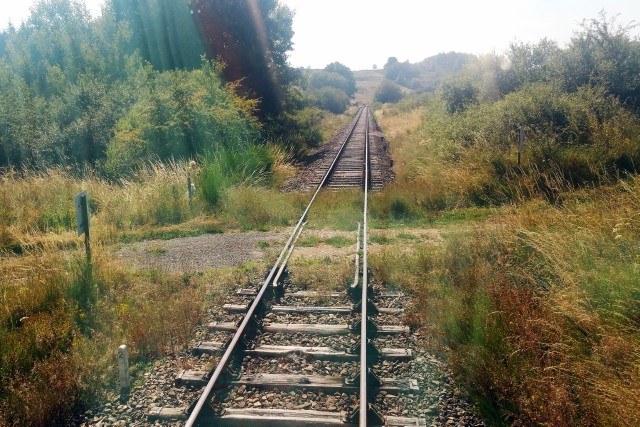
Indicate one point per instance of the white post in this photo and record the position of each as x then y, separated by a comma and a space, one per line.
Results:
123, 365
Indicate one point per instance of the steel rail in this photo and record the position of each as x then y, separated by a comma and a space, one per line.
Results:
193, 417
364, 397
357, 263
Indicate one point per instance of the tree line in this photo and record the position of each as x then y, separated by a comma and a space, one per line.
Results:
147, 80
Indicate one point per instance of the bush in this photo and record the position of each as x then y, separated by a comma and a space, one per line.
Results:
180, 114
571, 140
332, 99
457, 95
388, 91
323, 79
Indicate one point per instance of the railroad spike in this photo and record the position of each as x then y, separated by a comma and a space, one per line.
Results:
227, 376
373, 381
245, 343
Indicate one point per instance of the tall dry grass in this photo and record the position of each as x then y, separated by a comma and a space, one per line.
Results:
61, 322
38, 207
60, 327
537, 306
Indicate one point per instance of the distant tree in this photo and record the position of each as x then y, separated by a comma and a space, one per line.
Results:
388, 91
322, 79
434, 69
400, 72
375, 66
391, 69
344, 71
332, 99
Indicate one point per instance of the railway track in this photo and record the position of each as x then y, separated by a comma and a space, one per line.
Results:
287, 356
348, 170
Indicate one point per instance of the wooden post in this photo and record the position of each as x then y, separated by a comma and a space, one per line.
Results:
189, 190
82, 219
123, 368
520, 143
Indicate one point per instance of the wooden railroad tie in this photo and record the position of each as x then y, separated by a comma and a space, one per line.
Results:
343, 309
267, 417
328, 384
318, 353
310, 328
250, 292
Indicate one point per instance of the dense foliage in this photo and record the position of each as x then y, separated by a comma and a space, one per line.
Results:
537, 304
578, 107
137, 84
426, 75
332, 87
388, 91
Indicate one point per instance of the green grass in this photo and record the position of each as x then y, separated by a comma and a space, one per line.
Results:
406, 236
339, 241
309, 242
338, 210
381, 240
167, 233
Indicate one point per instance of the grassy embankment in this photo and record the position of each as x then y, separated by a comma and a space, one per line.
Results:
61, 323
533, 295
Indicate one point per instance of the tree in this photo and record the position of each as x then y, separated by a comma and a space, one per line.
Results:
163, 32
322, 79
388, 91
458, 94
332, 99
344, 71
530, 63
603, 53
252, 38
400, 72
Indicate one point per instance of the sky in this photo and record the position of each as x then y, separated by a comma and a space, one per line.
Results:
329, 30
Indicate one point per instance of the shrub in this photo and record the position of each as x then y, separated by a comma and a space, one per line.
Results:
331, 99
458, 95
324, 79
388, 91
179, 115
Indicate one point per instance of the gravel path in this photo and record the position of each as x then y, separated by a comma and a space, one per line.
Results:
191, 254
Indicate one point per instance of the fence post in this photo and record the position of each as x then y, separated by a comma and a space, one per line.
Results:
123, 368
520, 143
